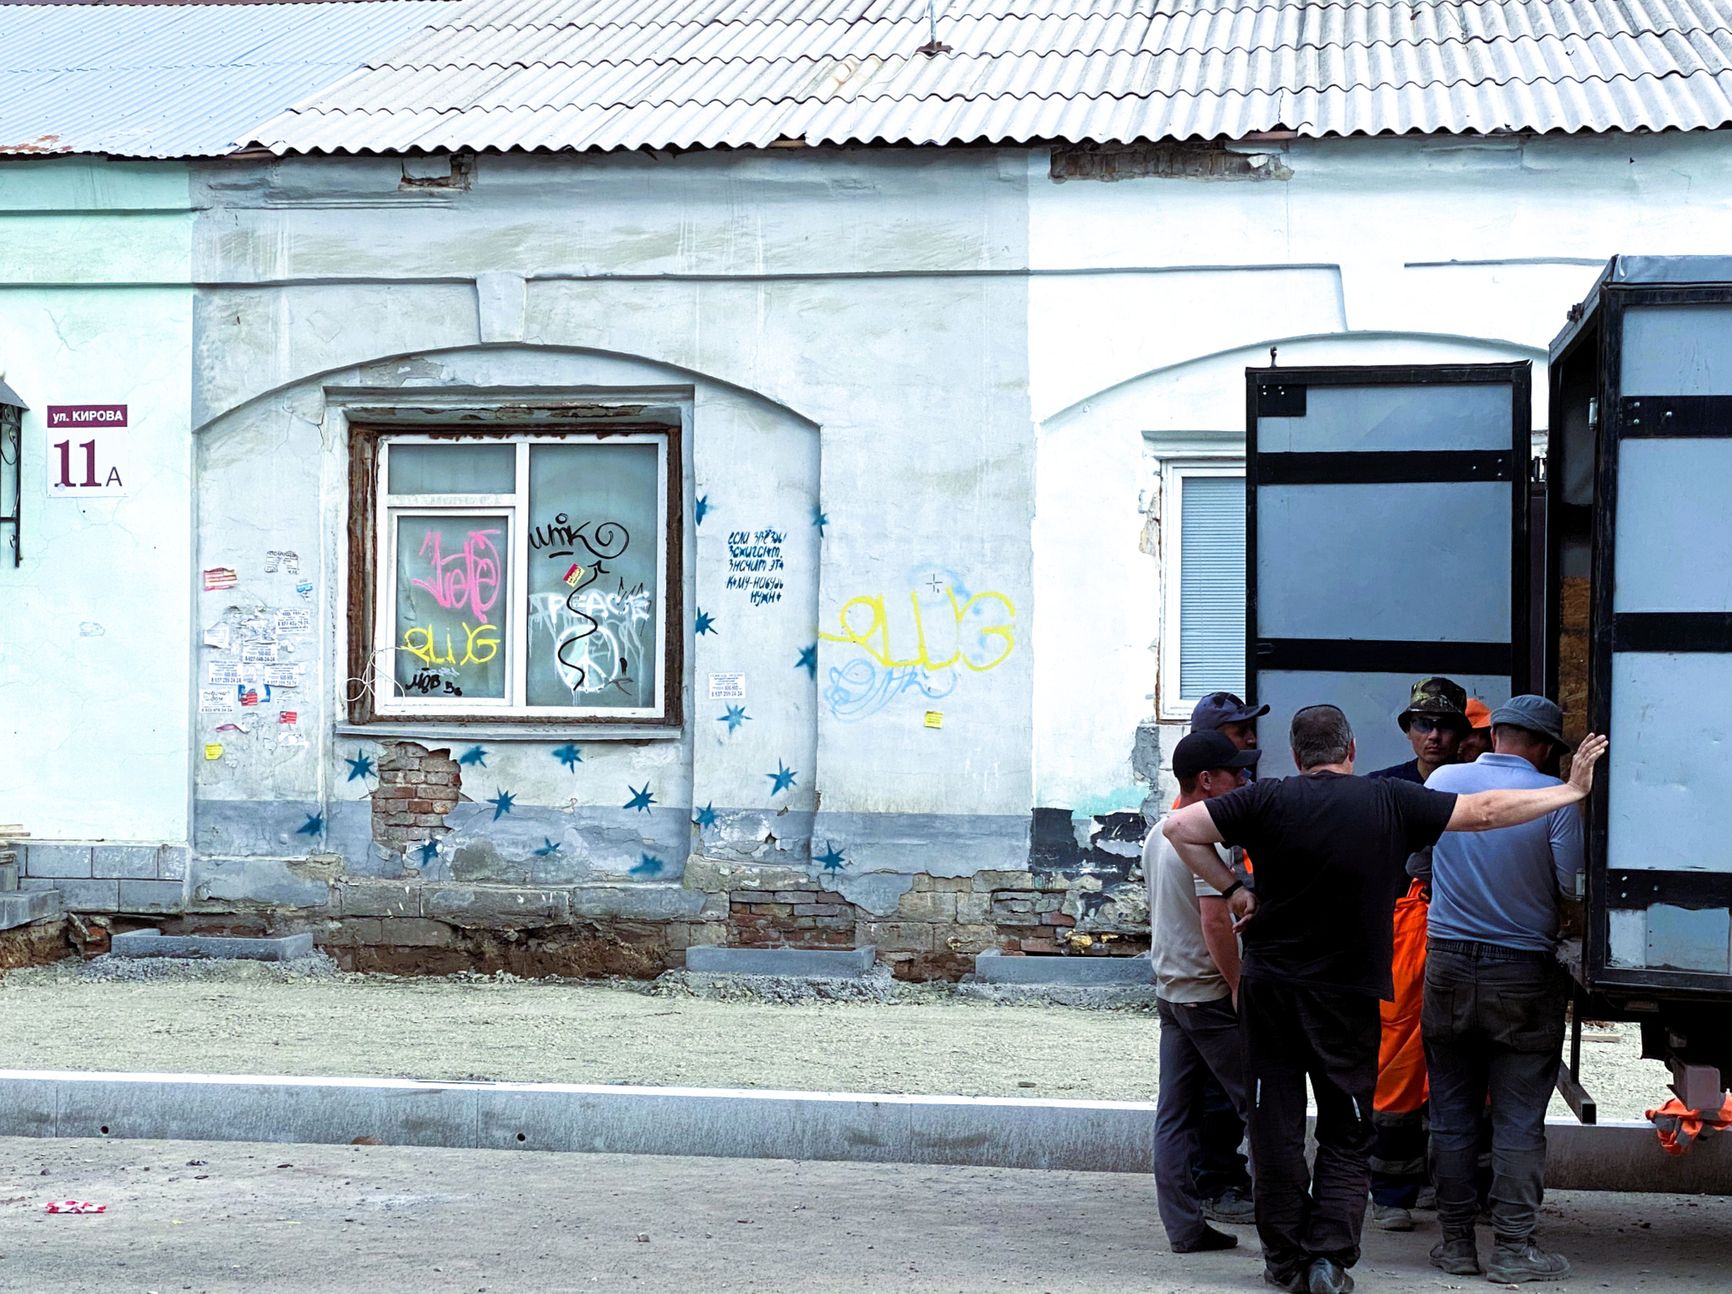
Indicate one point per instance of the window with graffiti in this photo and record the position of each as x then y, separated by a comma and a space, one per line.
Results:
520, 578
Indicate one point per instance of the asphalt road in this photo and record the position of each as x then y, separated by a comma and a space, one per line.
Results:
247, 1217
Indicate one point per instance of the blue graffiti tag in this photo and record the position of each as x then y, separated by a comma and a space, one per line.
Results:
862, 688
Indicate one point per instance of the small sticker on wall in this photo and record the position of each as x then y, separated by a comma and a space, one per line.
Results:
215, 700
213, 750
288, 717
259, 653
220, 577
282, 559
728, 687
219, 636
292, 621
574, 576
291, 737
249, 696
284, 675
225, 671
935, 718
305, 589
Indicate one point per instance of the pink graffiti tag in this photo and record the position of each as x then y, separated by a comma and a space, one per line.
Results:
469, 579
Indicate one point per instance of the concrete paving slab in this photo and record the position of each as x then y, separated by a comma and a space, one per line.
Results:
21, 907
263, 948
1083, 972
791, 963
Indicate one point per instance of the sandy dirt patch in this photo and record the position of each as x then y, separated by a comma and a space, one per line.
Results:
239, 1018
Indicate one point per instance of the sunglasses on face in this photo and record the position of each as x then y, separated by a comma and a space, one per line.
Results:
1425, 727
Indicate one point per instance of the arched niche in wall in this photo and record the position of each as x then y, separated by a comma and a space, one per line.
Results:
1101, 550
542, 798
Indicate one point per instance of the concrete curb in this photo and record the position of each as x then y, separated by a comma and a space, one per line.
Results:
1084, 1136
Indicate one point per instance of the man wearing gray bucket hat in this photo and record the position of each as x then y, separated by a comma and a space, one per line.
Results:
1493, 1018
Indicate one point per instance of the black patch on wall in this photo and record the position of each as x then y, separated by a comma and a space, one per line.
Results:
1053, 848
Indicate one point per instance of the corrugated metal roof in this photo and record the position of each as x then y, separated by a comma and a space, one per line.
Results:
605, 74
139, 80
401, 75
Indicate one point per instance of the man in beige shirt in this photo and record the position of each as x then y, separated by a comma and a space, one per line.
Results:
1196, 964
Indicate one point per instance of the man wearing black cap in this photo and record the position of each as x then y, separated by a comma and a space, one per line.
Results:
1196, 964
1331, 854
1222, 1174
1493, 1018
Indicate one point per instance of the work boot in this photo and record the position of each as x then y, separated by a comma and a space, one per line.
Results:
1391, 1217
1523, 1260
1457, 1257
1210, 1241
1231, 1206
1293, 1284
1427, 1200
1326, 1276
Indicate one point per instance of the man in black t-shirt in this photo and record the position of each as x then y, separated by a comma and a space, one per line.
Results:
1331, 852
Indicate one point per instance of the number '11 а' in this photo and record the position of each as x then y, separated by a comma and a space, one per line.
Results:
89, 447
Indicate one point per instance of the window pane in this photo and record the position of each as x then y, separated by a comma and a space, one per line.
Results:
594, 575
452, 469
1211, 585
451, 621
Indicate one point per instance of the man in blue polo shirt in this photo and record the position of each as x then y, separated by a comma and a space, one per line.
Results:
1493, 1018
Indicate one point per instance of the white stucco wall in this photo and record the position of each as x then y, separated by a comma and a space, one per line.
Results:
1150, 297
96, 308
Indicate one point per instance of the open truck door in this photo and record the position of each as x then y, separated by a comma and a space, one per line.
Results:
1387, 541
1640, 458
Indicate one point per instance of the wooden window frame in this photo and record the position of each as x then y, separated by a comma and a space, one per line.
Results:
368, 583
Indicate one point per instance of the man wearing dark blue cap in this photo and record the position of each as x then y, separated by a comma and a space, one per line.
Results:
1196, 964
1223, 1176
1493, 1017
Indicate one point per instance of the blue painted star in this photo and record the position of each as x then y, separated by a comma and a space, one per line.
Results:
502, 804
548, 848
361, 766
569, 755
640, 800
819, 519
782, 779
428, 852
808, 660
649, 866
476, 755
706, 623
706, 817
700, 509
735, 716
832, 860
313, 826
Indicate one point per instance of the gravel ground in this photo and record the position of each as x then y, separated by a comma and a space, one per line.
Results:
311, 1019
234, 1216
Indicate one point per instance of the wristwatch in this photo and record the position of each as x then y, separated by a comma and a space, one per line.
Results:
1232, 889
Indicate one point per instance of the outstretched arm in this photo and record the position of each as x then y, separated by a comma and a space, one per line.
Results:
1489, 810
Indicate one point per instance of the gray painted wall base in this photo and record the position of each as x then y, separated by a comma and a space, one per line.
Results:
258, 948
794, 963
21, 907
996, 968
1089, 1136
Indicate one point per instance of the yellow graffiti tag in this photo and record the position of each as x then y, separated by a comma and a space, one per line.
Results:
420, 643
941, 634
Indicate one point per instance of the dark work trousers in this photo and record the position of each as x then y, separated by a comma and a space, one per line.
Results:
1398, 1156
1220, 1165
1493, 1024
1292, 1033
1199, 1041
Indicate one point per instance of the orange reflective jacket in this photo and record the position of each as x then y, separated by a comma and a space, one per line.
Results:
1401, 1080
